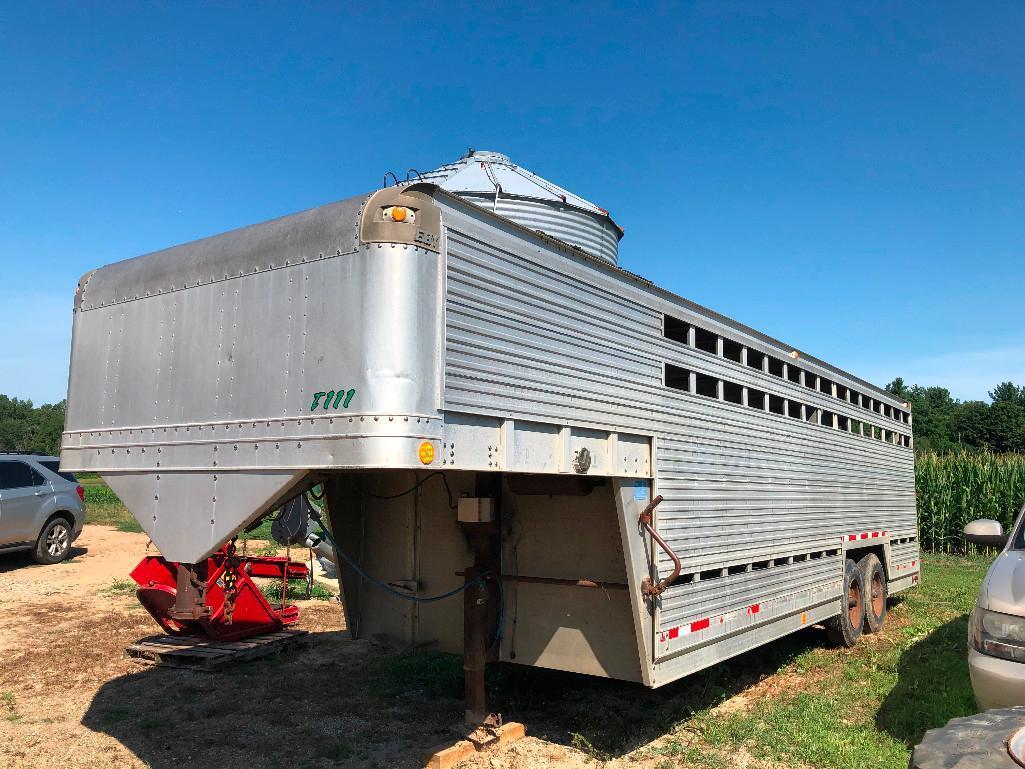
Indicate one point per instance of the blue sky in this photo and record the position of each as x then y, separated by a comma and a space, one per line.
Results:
848, 179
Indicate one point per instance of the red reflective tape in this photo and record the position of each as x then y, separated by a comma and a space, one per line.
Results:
851, 537
864, 535
875, 534
884, 533
701, 624
674, 632
754, 608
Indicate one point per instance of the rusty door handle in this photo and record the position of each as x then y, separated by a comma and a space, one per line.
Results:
647, 588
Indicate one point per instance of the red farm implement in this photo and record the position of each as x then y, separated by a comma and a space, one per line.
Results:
218, 598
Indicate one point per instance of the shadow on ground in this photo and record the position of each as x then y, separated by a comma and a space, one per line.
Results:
23, 559
339, 702
933, 685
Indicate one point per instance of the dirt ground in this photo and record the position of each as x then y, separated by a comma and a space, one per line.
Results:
69, 696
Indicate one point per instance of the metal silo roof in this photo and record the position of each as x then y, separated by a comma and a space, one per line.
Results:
492, 180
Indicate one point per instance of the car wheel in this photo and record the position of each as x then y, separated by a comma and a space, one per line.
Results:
845, 629
54, 542
874, 579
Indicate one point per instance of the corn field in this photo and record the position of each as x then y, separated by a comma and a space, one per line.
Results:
954, 489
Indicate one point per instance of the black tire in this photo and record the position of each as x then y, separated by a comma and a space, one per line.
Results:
845, 629
876, 592
54, 541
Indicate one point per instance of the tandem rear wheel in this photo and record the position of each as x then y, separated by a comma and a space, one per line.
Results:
874, 580
845, 628
864, 594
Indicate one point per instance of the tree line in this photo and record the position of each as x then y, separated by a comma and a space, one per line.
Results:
24, 427
943, 424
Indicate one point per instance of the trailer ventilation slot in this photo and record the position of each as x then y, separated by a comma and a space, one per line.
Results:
737, 352
677, 378
745, 567
708, 386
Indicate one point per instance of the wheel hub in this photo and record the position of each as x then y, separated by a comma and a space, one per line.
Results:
57, 540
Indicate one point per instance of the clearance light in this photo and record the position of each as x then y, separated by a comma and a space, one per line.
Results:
794, 354
399, 214
426, 453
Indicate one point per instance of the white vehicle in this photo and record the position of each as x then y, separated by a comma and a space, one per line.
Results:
491, 401
996, 636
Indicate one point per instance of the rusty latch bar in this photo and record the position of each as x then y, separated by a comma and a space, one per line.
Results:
647, 588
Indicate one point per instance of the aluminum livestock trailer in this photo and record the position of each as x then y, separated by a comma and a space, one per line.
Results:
625, 483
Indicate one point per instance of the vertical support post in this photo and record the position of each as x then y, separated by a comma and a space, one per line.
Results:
480, 600
474, 653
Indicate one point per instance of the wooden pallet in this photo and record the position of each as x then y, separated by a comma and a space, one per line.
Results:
196, 653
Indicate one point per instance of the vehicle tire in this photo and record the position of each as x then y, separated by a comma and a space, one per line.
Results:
54, 541
874, 579
845, 629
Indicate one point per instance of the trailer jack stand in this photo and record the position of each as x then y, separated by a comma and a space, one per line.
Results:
490, 734
487, 732
481, 606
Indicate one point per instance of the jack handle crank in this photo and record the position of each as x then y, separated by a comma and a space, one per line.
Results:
647, 588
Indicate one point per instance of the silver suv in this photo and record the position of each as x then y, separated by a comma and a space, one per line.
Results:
41, 508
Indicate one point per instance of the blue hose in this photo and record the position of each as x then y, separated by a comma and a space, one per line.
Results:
481, 578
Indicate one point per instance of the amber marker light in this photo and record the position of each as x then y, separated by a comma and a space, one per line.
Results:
398, 214
426, 453
794, 354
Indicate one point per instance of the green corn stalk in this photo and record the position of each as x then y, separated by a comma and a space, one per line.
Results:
953, 489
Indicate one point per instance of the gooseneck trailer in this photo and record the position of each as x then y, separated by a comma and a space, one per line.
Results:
624, 483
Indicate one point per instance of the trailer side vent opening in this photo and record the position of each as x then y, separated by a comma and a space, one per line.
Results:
509, 430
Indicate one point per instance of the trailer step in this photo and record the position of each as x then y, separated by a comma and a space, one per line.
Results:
195, 653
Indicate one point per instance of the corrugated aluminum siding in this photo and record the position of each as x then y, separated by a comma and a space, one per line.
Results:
537, 335
594, 234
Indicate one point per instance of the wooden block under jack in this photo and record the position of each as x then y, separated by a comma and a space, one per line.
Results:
447, 755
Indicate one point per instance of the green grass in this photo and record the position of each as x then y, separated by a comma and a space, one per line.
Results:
260, 532
102, 506
807, 703
437, 675
296, 591
119, 587
7, 700
867, 706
